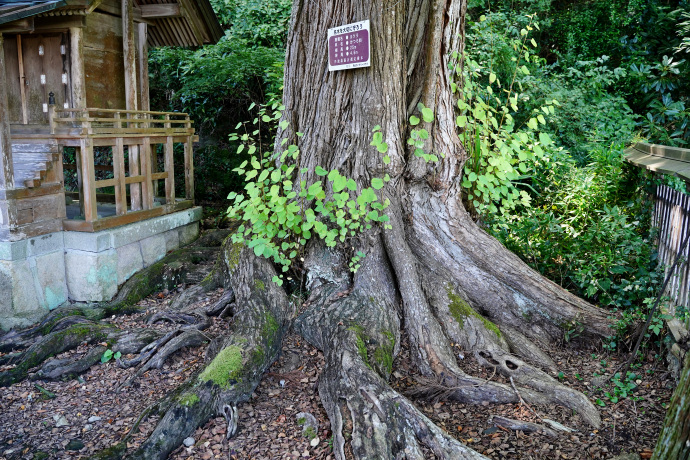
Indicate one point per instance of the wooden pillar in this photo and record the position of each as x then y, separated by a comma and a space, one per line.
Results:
169, 167
77, 67
145, 104
88, 176
130, 61
6, 173
129, 51
6, 169
119, 173
189, 165
143, 62
78, 79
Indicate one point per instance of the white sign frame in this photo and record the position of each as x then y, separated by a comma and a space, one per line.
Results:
345, 29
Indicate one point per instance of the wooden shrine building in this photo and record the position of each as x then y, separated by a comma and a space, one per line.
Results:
74, 77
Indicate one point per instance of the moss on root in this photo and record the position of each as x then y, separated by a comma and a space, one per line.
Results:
270, 326
225, 369
188, 399
232, 254
461, 310
360, 342
260, 285
383, 355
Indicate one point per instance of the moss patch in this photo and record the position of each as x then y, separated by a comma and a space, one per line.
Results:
232, 254
259, 285
460, 310
188, 399
270, 326
224, 368
360, 341
383, 355
310, 432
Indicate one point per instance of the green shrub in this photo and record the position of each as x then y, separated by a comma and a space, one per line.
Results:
588, 229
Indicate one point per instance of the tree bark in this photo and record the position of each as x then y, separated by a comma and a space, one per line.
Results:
674, 440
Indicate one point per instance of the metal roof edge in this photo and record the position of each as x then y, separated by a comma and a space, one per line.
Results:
30, 10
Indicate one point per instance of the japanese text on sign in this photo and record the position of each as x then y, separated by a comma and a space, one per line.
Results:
348, 46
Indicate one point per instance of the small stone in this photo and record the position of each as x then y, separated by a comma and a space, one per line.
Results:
88, 427
75, 444
309, 424
189, 442
314, 442
60, 421
94, 418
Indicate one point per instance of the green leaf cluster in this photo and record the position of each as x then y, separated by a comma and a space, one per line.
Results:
501, 155
108, 355
281, 210
418, 136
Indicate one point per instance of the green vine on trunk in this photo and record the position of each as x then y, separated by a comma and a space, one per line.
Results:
280, 212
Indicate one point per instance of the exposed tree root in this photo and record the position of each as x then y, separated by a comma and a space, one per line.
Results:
54, 343
241, 357
59, 368
359, 334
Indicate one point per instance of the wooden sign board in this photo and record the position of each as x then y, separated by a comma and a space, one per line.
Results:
349, 46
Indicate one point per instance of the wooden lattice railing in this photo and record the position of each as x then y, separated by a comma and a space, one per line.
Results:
133, 137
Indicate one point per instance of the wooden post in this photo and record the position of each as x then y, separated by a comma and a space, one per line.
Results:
143, 67
189, 163
6, 169
88, 175
169, 168
143, 62
130, 61
143, 72
119, 172
77, 77
22, 80
147, 186
51, 112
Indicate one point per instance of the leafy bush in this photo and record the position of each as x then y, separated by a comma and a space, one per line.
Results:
587, 229
667, 120
259, 22
589, 116
215, 82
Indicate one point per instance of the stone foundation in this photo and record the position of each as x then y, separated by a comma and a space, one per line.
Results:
42, 273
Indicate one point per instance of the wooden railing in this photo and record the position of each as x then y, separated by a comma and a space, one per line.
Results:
672, 219
133, 137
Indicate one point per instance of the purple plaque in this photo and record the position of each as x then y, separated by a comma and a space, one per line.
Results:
348, 46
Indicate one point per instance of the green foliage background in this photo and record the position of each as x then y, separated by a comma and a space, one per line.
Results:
615, 70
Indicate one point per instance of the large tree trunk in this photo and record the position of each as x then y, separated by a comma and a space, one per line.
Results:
450, 280
674, 440
434, 275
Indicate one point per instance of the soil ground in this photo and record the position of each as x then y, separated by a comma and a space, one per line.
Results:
89, 413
